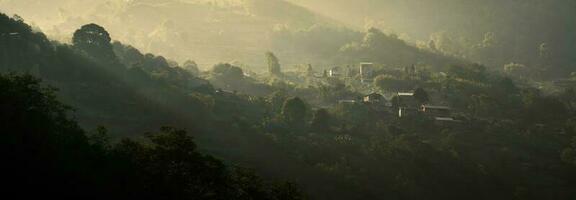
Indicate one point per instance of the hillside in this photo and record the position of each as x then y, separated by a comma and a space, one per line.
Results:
209, 32
205, 31
131, 101
459, 131
493, 32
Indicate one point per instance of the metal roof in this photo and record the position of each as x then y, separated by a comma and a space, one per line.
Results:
445, 119
437, 107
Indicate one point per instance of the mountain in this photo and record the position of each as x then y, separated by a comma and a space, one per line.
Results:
494, 32
205, 31
210, 32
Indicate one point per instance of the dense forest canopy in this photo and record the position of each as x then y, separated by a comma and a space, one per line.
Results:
288, 99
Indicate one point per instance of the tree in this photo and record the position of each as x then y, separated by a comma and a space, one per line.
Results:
421, 95
389, 83
128, 55
569, 153
273, 64
474, 72
94, 40
44, 150
309, 71
40, 143
191, 67
227, 72
294, 111
516, 69
432, 45
375, 38
321, 120
172, 167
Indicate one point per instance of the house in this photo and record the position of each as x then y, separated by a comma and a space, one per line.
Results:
374, 98
347, 101
334, 72
226, 93
405, 112
445, 121
436, 111
406, 103
442, 115
406, 99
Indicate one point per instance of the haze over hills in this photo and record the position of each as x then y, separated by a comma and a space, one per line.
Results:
206, 31
210, 32
494, 32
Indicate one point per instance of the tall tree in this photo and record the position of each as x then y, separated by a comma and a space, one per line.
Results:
421, 95
309, 71
191, 67
321, 121
294, 111
273, 64
94, 40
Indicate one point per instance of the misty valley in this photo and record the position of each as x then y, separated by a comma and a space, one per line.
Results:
288, 99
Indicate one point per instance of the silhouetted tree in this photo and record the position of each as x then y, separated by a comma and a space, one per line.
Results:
273, 64
294, 111
321, 121
309, 71
44, 151
421, 95
94, 40
191, 67
228, 73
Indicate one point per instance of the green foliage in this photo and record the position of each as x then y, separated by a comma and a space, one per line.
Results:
191, 67
228, 71
391, 84
95, 41
468, 72
569, 153
230, 77
421, 95
379, 47
294, 112
321, 121
50, 154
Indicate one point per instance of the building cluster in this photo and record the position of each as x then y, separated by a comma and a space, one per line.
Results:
402, 104
405, 105
365, 72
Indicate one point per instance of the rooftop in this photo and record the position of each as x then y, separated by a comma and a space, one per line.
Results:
405, 94
347, 101
446, 119
436, 107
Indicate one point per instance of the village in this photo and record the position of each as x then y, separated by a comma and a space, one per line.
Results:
402, 104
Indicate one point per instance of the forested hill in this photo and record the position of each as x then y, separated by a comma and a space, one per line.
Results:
130, 94
535, 33
47, 154
457, 132
93, 80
